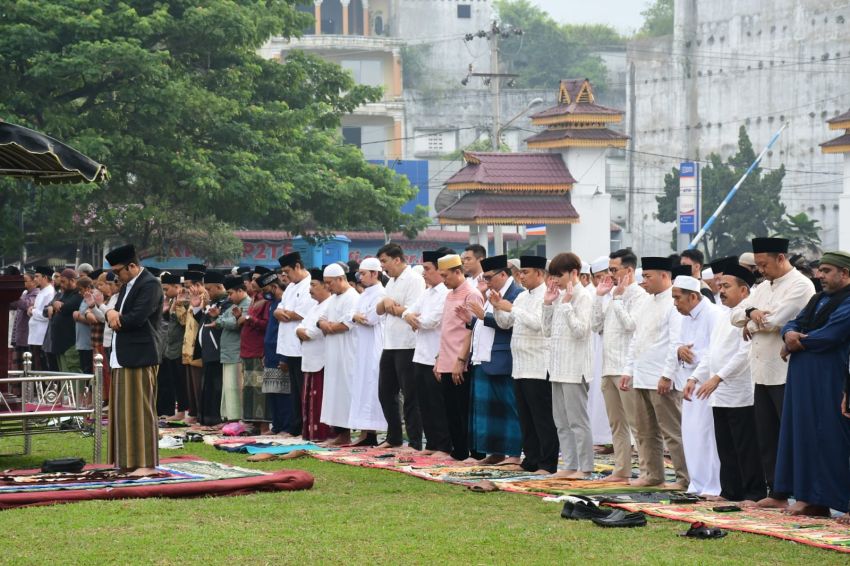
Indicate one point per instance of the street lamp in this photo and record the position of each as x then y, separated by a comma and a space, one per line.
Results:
499, 129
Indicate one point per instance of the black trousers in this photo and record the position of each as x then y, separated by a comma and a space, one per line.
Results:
171, 387
396, 374
432, 409
768, 413
539, 433
86, 361
210, 409
741, 474
296, 380
456, 398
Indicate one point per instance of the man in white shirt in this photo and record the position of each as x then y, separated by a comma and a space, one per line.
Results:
772, 303
403, 290
724, 378
425, 317
295, 305
650, 368
471, 258
615, 321
38, 321
599, 425
530, 351
699, 317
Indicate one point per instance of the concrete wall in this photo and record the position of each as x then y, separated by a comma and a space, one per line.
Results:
733, 63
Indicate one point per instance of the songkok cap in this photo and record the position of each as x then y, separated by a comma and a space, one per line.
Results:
723, 264
741, 273
196, 267
121, 254
215, 277
687, 283
96, 273
599, 264
170, 279
431, 257
11, 270
68, 273
770, 245
111, 276
532, 262
707, 274
315, 273
193, 275
747, 258
85, 268
585, 268
371, 264
233, 282
837, 258
494, 262
449, 261
656, 263
639, 275
514, 262
290, 259
681, 270
155, 271
333, 270
44, 270
260, 270
266, 279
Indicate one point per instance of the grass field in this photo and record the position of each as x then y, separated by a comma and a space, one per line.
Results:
351, 516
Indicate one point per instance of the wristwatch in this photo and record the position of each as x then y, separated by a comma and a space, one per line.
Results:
749, 311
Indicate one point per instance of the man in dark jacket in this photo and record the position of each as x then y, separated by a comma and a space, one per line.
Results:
133, 434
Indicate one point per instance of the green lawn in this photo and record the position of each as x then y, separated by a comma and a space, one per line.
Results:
351, 516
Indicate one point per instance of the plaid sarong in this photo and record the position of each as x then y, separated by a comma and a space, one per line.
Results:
493, 419
133, 432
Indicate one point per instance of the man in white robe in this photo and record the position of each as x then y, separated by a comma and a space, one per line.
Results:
366, 414
38, 321
599, 426
699, 317
340, 353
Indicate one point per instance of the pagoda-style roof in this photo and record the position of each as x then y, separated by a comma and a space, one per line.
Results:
576, 105
555, 138
511, 209
838, 145
841, 122
512, 172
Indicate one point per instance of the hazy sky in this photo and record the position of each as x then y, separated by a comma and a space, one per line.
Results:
624, 15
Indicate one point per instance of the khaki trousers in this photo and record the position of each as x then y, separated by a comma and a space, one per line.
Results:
620, 406
658, 420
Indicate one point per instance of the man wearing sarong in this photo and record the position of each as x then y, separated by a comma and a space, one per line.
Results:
133, 433
313, 361
814, 438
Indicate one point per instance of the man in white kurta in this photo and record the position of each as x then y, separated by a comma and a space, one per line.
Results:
699, 317
38, 322
366, 413
340, 352
600, 427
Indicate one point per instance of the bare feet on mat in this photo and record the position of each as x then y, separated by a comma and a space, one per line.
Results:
644, 482
713, 498
578, 475
801, 508
769, 503
176, 417
441, 455
143, 472
493, 459
615, 479
428, 452
844, 519
386, 446
510, 461
563, 474
674, 486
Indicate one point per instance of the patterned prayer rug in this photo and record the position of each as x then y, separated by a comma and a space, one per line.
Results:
183, 476
819, 532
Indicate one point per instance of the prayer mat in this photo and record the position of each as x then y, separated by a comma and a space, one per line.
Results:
264, 448
216, 440
548, 486
811, 531
178, 477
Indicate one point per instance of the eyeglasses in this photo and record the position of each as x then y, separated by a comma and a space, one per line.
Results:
119, 270
489, 278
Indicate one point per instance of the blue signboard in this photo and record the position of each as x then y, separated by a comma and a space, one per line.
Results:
689, 198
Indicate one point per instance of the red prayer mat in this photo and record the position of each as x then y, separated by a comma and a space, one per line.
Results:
182, 476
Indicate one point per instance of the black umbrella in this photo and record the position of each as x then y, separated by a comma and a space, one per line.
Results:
27, 153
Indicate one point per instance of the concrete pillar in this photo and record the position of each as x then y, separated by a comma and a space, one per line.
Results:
558, 239
396, 143
473, 234
498, 240
396, 86
365, 16
345, 5
317, 13
844, 209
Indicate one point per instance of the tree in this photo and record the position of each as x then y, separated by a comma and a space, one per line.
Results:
547, 51
756, 210
200, 134
657, 19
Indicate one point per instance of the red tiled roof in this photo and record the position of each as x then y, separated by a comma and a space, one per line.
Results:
840, 118
484, 208
577, 134
490, 168
577, 108
836, 144
424, 236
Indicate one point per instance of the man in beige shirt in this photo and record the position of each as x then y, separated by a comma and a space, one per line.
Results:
772, 303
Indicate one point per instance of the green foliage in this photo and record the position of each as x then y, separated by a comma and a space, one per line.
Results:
657, 19
483, 144
756, 210
200, 134
414, 71
548, 51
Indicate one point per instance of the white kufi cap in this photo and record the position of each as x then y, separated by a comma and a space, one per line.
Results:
687, 283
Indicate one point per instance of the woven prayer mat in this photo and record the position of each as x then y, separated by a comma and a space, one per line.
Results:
818, 532
184, 476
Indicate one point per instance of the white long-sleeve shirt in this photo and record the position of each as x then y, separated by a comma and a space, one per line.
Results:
616, 322
529, 348
297, 299
567, 325
404, 290
727, 358
696, 329
783, 298
313, 350
652, 349
38, 322
429, 307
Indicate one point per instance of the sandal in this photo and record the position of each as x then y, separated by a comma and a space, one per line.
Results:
702, 531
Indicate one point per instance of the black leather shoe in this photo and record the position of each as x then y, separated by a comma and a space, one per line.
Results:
567, 511
582, 510
620, 518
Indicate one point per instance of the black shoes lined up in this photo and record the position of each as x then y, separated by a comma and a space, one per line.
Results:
584, 509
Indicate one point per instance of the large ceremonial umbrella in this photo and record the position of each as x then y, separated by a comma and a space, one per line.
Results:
30, 154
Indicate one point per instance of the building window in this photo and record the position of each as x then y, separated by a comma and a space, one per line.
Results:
434, 142
464, 11
352, 135
366, 72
